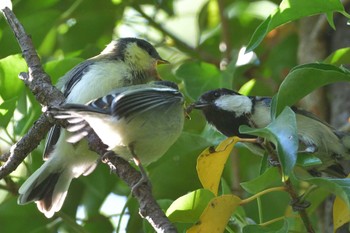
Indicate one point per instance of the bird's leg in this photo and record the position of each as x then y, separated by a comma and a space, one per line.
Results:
144, 177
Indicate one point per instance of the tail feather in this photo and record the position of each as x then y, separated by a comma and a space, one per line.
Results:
47, 189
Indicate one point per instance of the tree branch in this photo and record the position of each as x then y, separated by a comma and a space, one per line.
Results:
193, 52
47, 95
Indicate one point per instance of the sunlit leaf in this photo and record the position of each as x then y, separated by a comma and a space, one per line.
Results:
339, 57
216, 214
269, 179
10, 84
283, 133
290, 10
210, 164
309, 77
189, 207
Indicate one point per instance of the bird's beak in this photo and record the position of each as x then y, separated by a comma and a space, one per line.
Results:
162, 61
196, 105
200, 104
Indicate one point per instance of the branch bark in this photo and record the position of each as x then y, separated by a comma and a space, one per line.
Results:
47, 95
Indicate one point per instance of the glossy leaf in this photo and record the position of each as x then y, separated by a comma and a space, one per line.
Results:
283, 133
216, 215
310, 77
290, 10
189, 207
210, 164
270, 178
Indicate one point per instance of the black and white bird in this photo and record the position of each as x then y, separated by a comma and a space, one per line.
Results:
139, 122
124, 62
227, 110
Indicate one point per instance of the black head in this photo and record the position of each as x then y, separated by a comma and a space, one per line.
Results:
226, 110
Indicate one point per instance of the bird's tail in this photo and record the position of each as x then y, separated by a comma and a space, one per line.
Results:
47, 187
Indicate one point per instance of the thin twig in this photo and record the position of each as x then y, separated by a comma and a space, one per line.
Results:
184, 47
289, 188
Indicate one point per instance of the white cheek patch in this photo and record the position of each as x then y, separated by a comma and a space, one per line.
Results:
239, 104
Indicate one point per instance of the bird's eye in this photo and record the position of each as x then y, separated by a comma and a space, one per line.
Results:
216, 94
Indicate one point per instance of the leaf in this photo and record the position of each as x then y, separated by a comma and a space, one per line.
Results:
189, 207
309, 77
308, 160
290, 10
7, 109
339, 57
216, 215
270, 178
263, 229
199, 77
211, 164
283, 133
339, 187
10, 84
341, 213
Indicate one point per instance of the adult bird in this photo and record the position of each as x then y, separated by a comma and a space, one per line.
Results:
227, 110
124, 62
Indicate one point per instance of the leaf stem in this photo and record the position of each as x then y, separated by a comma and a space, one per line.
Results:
261, 217
252, 198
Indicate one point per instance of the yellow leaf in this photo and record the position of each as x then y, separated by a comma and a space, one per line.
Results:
341, 213
216, 215
210, 164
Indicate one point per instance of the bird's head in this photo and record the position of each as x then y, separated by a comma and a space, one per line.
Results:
224, 100
136, 53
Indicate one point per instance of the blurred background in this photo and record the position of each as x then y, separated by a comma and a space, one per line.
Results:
205, 42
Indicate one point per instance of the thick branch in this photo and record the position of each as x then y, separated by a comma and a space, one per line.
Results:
47, 95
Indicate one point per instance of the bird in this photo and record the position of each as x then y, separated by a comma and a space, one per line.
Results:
139, 122
124, 62
227, 110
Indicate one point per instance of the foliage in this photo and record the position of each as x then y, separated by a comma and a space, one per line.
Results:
65, 32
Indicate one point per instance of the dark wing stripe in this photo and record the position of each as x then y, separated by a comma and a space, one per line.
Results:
137, 102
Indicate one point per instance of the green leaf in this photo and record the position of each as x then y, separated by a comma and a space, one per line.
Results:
262, 229
309, 77
7, 108
189, 207
290, 10
337, 186
270, 178
283, 133
308, 160
339, 57
10, 84
199, 77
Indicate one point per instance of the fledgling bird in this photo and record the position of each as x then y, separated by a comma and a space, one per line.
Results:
124, 62
227, 110
138, 122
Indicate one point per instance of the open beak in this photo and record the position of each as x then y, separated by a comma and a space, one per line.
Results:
162, 61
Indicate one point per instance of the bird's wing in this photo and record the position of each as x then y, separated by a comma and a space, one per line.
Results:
134, 102
66, 84
52, 138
